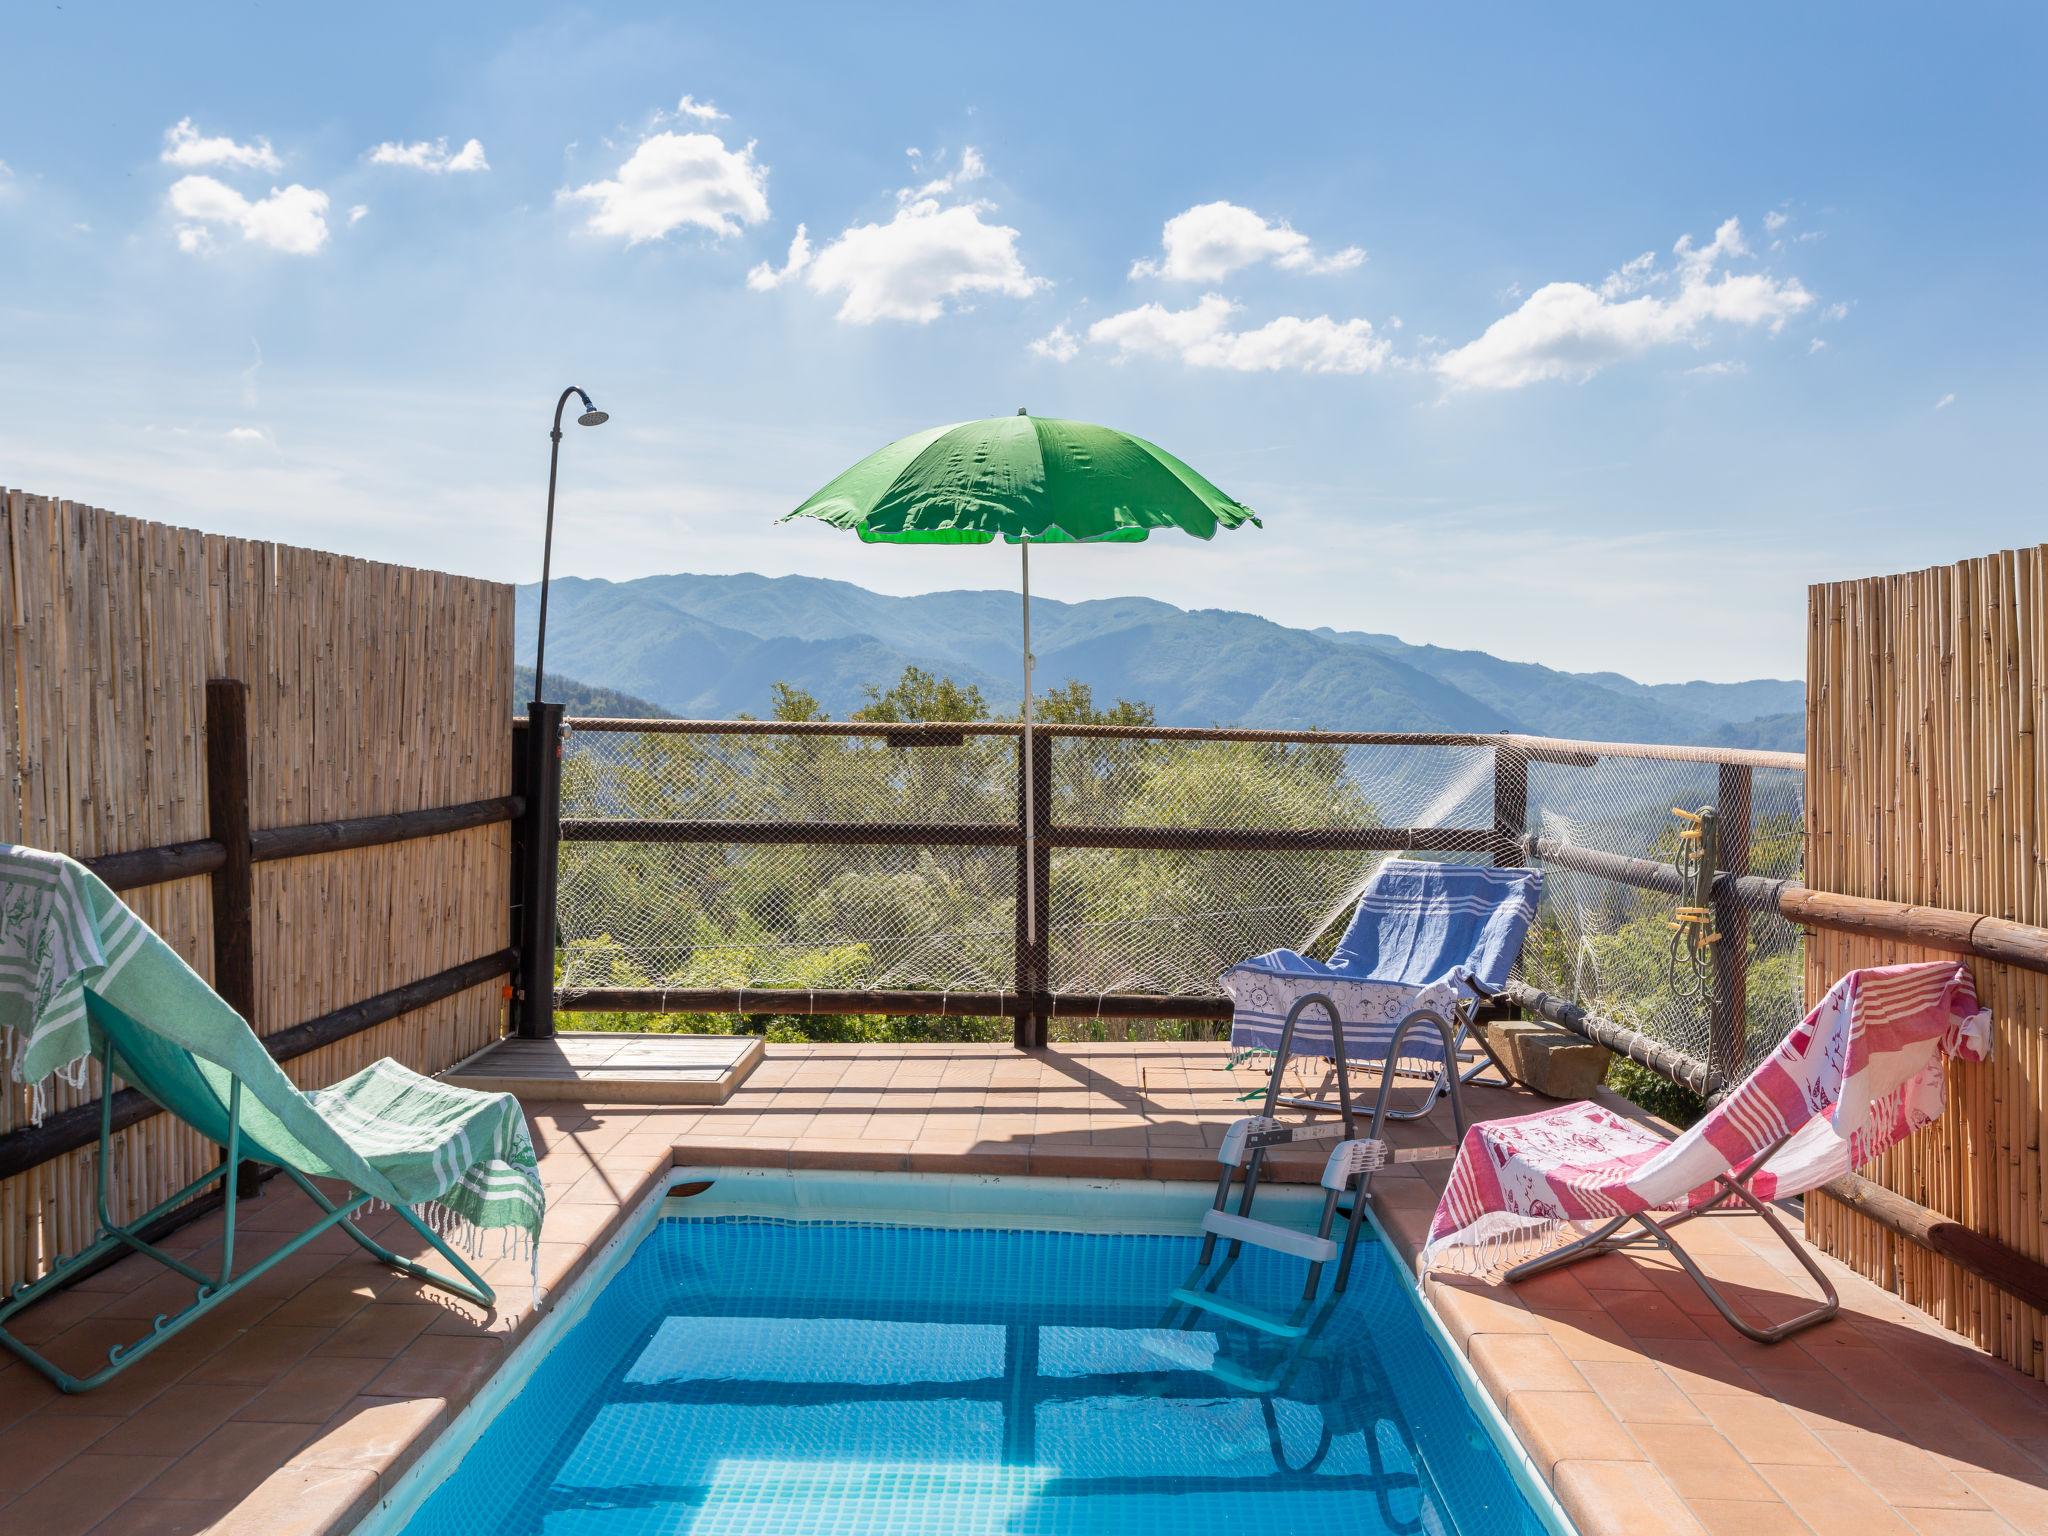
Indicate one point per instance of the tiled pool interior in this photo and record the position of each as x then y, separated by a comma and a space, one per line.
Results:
801, 1374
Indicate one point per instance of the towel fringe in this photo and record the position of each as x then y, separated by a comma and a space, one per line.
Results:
1499, 1240
74, 1074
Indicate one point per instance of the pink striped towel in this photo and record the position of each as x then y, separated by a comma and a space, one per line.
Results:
1863, 1071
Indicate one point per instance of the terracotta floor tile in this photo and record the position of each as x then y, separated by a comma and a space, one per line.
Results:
162, 1517
329, 1301
231, 1461
1645, 1314
1959, 1522
1962, 1441
1699, 1463
80, 1494
1819, 1400
380, 1331
180, 1417
2019, 1419
1785, 1355
1510, 1362
374, 1434
439, 1365
312, 1391
1568, 1426
1622, 1498
41, 1443
54, 1314
1591, 1335
1900, 1473
1554, 1289
302, 1501
2023, 1501
1613, 1272
257, 1356
1469, 1309
1699, 1367
1747, 1517
1874, 1375
1637, 1392
1764, 1431
1834, 1501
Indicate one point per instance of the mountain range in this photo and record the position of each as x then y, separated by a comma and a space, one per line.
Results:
712, 646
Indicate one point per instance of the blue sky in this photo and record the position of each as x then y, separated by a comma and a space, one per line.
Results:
1451, 295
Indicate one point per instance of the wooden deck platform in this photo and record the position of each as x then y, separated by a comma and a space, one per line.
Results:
607, 1067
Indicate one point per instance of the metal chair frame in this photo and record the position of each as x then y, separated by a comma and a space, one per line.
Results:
212, 1288
1734, 1188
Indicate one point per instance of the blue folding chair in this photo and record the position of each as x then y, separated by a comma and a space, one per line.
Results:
1427, 944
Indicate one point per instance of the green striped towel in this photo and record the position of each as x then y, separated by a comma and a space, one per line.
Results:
69, 948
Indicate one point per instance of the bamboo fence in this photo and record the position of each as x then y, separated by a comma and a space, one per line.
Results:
372, 688
1926, 783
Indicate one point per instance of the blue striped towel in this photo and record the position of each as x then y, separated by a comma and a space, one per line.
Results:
1424, 936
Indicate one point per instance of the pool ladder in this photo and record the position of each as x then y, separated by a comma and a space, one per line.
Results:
1352, 1162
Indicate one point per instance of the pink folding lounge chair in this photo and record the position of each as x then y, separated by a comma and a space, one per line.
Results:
1862, 1072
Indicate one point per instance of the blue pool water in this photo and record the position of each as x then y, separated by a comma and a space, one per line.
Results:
749, 1376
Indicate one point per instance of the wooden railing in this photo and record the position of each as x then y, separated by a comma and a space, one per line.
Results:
1032, 1003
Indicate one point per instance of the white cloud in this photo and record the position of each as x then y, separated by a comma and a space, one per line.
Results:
1945, 401
1059, 344
293, 220
1776, 220
357, 214
764, 277
971, 168
1626, 279
1212, 240
184, 145
928, 258
1815, 344
432, 156
1201, 337
247, 435
918, 263
1835, 311
703, 111
1725, 368
1570, 331
676, 179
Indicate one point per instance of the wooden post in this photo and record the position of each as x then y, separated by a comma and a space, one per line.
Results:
534, 987
1033, 973
515, 890
227, 819
1729, 1023
234, 883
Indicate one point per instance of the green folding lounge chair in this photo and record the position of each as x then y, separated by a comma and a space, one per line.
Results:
82, 978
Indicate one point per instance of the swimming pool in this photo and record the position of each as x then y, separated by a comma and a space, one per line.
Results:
836, 1355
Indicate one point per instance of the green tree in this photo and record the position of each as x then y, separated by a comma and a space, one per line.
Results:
1074, 704
794, 704
918, 695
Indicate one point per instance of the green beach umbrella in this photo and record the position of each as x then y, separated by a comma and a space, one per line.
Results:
1028, 480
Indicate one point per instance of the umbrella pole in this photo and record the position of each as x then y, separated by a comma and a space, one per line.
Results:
1027, 764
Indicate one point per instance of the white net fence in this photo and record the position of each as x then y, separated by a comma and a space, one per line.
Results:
1620, 950
772, 860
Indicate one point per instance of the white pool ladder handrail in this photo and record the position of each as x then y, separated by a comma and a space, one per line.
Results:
1352, 1162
